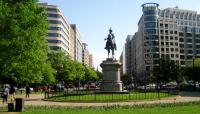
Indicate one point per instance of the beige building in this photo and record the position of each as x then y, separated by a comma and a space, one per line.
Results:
59, 29
78, 45
65, 36
86, 57
91, 61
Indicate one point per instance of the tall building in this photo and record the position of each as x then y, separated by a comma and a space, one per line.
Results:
91, 61
78, 47
65, 36
59, 29
85, 55
170, 32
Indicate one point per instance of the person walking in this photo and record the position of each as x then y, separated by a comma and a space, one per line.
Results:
5, 94
12, 93
28, 90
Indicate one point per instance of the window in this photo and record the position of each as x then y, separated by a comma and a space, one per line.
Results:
172, 49
54, 35
54, 15
55, 28
166, 38
54, 48
182, 45
53, 41
54, 22
162, 38
181, 51
167, 49
171, 37
167, 44
52, 9
171, 43
182, 57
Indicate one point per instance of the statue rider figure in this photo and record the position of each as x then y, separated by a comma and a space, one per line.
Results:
110, 44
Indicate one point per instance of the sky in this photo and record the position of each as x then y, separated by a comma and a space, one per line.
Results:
94, 18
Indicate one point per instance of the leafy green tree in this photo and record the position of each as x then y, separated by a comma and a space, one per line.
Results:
193, 70
90, 74
166, 71
23, 47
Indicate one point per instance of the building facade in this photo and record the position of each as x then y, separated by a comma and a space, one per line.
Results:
78, 47
170, 32
59, 29
65, 36
86, 57
91, 61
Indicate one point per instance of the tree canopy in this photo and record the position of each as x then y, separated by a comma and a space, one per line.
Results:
23, 47
193, 69
166, 71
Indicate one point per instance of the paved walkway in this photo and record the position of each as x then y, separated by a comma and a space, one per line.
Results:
36, 100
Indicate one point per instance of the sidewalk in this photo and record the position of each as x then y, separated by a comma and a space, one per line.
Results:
36, 100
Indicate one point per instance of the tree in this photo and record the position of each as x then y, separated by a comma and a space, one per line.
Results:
23, 47
126, 79
166, 71
90, 74
193, 70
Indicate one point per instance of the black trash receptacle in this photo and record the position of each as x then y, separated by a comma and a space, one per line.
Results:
19, 104
11, 107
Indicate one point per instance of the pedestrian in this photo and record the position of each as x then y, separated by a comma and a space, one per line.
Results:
12, 93
5, 93
28, 90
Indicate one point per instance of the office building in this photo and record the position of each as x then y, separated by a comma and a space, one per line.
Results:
170, 32
59, 29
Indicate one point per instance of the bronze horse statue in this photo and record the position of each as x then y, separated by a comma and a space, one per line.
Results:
110, 44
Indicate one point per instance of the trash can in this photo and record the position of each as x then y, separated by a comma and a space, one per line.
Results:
11, 107
19, 104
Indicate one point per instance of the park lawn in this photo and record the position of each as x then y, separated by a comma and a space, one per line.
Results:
188, 109
112, 97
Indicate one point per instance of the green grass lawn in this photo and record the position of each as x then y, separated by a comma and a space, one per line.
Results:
111, 97
187, 109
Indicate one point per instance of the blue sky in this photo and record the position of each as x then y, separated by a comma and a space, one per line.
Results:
95, 17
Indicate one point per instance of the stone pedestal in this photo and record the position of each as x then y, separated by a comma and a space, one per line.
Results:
111, 76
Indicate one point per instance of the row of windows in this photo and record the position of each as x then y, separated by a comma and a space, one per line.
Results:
150, 18
167, 32
150, 12
58, 35
151, 43
53, 41
58, 16
58, 22
151, 37
167, 38
171, 49
151, 25
180, 16
52, 9
151, 31
171, 43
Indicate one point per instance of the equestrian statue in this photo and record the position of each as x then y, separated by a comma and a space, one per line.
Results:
110, 43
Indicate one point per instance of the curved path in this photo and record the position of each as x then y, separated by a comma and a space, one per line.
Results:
36, 100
